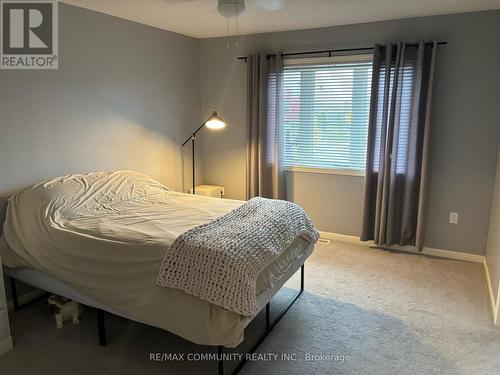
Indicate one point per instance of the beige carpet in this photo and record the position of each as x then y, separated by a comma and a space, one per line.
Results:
378, 312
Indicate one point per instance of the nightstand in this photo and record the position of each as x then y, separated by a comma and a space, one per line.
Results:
213, 191
5, 338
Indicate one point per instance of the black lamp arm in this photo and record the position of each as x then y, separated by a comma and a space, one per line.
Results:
193, 134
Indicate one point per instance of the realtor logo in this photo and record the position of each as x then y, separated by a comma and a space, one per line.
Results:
29, 34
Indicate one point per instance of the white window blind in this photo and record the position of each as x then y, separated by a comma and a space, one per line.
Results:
326, 112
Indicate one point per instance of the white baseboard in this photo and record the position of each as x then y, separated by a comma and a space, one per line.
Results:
475, 258
26, 298
494, 302
457, 255
5, 345
341, 237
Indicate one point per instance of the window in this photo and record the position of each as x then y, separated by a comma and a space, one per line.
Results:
326, 111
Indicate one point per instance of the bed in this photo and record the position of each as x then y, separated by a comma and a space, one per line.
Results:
103, 244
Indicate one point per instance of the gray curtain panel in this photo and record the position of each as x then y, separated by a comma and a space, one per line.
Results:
265, 171
398, 144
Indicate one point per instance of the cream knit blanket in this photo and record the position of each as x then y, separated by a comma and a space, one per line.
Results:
220, 261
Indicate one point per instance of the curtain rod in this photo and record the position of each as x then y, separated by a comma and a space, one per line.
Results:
330, 51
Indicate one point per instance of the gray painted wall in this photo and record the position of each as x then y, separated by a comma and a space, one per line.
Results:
465, 117
493, 248
124, 97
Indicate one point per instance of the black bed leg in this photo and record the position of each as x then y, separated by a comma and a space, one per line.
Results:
268, 313
13, 288
302, 278
269, 327
220, 361
101, 327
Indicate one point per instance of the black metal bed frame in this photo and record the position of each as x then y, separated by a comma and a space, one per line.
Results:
101, 327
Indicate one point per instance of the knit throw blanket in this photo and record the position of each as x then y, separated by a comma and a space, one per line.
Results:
220, 261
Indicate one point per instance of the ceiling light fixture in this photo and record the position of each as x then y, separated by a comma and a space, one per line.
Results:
231, 9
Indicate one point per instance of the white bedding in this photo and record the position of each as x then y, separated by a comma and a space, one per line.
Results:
114, 212
106, 233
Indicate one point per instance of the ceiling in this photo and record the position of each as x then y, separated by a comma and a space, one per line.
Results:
199, 18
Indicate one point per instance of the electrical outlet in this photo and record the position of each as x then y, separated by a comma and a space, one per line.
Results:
453, 217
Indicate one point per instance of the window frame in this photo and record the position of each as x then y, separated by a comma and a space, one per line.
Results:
322, 60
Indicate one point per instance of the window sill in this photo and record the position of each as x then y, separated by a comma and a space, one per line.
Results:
343, 172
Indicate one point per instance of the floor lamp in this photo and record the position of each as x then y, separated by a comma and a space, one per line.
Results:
213, 122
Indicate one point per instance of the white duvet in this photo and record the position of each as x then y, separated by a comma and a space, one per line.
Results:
114, 211
106, 234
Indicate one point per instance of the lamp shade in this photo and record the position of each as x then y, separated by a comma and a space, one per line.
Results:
215, 122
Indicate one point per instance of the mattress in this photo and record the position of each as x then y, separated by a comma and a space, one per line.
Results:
105, 234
